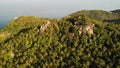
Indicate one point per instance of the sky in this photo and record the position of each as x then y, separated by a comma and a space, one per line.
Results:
51, 8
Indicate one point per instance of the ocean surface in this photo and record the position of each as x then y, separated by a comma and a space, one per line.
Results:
3, 23
1, 26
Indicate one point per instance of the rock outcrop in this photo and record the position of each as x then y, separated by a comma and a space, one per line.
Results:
43, 27
15, 18
88, 29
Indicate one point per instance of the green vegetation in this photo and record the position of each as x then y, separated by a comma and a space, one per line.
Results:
111, 16
32, 42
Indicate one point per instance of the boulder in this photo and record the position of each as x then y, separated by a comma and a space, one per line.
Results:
88, 29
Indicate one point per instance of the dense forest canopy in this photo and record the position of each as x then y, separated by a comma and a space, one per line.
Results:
87, 38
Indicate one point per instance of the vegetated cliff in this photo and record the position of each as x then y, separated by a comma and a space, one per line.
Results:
74, 41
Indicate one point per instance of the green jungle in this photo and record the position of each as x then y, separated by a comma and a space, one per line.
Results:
84, 39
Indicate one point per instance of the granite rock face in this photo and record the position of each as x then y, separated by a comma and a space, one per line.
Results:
45, 26
88, 29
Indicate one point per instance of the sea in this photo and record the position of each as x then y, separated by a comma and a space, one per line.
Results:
1, 26
4, 23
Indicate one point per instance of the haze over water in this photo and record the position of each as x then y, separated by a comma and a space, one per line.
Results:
50, 8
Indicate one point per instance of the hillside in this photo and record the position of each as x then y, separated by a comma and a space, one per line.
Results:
104, 16
75, 41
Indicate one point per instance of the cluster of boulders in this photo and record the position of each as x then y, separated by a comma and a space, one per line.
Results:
88, 29
83, 29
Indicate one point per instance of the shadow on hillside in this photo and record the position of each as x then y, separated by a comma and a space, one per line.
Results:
113, 21
22, 31
17, 34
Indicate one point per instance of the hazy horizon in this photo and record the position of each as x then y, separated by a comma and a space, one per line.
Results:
51, 8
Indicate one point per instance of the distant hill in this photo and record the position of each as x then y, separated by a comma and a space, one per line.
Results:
85, 39
116, 11
111, 16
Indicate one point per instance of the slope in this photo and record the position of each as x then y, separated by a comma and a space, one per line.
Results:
42, 42
101, 15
